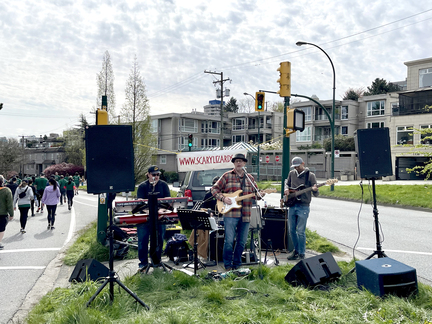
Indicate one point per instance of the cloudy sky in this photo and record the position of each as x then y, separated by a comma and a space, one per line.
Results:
51, 51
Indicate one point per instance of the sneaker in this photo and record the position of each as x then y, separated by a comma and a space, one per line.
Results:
294, 256
52, 227
42, 210
301, 256
38, 210
23, 231
49, 226
33, 215
1, 246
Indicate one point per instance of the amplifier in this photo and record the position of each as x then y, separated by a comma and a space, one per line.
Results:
276, 229
384, 276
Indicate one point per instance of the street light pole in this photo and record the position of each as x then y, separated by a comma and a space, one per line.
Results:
259, 138
333, 110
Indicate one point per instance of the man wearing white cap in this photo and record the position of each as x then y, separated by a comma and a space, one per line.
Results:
299, 178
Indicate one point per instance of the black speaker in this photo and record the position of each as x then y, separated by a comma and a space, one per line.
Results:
216, 244
385, 276
89, 269
314, 271
110, 159
372, 146
276, 229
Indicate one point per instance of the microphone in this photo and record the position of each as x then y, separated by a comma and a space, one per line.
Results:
153, 180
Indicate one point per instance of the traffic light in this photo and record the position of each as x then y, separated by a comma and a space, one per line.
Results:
259, 101
284, 79
295, 119
190, 140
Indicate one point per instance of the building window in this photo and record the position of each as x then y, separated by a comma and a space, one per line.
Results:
211, 127
188, 125
404, 135
308, 113
209, 142
375, 108
183, 142
162, 159
305, 136
154, 125
344, 130
426, 134
344, 112
425, 78
375, 125
238, 138
239, 124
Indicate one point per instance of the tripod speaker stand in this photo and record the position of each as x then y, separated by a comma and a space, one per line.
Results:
112, 278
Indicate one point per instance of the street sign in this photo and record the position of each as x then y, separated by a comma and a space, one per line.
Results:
277, 158
337, 153
267, 158
260, 158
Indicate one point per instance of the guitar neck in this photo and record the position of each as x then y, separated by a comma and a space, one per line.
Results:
298, 193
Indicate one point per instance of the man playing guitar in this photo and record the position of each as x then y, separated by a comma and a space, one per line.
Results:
299, 178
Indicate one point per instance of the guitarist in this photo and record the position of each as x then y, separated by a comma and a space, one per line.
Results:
299, 212
236, 221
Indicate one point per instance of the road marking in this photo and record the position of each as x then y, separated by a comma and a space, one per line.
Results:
71, 226
81, 203
397, 251
23, 268
30, 250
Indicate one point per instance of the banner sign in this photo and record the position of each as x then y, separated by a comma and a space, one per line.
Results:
206, 160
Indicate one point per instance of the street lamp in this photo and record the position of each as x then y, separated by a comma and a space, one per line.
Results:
259, 139
333, 110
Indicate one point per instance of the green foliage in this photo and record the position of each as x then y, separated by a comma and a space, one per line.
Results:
422, 149
342, 143
353, 94
380, 86
171, 176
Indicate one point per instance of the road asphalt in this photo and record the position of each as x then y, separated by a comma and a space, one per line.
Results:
57, 274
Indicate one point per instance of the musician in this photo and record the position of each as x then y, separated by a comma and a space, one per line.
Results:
236, 221
299, 213
152, 184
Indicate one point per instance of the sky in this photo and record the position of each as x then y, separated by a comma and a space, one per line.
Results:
51, 52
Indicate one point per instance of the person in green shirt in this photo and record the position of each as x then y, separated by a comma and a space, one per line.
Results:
40, 184
62, 184
70, 189
76, 179
6, 208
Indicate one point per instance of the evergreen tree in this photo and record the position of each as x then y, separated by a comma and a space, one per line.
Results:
232, 106
380, 86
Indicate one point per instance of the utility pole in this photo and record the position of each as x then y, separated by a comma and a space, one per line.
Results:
221, 104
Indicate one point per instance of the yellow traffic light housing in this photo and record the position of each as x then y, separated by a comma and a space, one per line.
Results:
295, 121
259, 101
101, 117
284, 79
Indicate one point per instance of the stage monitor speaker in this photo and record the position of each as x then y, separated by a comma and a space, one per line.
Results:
89, 269
313, 271
385, 276
276, 229
110, 159
372, 146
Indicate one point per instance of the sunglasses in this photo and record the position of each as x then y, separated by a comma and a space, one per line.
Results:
155, 174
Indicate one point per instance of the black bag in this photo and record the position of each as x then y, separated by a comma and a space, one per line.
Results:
23, 194
177, 248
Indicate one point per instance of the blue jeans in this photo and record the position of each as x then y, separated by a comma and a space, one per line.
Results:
144, 232
298, 216
234, 226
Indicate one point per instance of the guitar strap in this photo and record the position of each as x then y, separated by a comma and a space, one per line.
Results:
307, 184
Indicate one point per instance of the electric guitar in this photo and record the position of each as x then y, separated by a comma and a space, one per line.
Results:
235, 197
290, 199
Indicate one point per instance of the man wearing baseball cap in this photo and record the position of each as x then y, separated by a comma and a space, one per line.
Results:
152, 184
299, 178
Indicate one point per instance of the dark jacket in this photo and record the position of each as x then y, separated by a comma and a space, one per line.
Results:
295, 180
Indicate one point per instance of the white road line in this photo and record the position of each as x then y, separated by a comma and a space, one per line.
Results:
81, 203
23, 268
71, 226
30, 250
396, 251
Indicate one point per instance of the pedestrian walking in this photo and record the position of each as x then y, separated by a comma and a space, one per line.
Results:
12, 185
62, 185
6, 208
23, 196
76, 179
32, 202
40, 184
70, 188
50, 198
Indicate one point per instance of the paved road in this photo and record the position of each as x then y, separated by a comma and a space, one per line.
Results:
406, 234
26, 256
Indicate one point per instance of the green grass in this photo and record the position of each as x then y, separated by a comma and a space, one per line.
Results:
177, 298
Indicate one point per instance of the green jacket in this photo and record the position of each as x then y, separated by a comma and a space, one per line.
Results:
6, 202
40, 183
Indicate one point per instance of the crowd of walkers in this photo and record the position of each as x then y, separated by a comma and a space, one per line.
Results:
32, 194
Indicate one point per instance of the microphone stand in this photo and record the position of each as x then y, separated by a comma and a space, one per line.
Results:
258, 224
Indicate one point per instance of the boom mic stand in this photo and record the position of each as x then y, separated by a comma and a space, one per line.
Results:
112, 278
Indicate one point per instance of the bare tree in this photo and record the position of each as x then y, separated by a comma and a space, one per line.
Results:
135, 112
246, 105
105, 84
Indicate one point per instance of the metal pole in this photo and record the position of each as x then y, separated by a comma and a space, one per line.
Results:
221, 114
285, 148
333, 110
259, 142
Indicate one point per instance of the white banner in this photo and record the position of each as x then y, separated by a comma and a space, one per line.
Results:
206, 160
